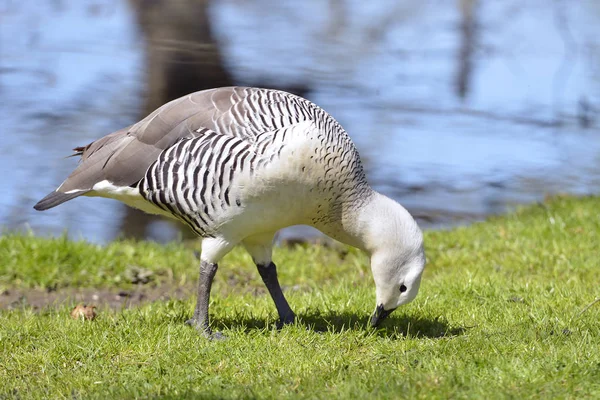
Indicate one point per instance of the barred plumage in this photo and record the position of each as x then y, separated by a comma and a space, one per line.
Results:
237, 164
193, 179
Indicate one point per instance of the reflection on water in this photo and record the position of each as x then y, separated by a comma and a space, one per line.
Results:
459, 109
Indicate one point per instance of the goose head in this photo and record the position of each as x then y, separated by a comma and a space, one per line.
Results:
395, 243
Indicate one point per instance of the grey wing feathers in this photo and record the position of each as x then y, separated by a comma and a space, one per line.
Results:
123, 157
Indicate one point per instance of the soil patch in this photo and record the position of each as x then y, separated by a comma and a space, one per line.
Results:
113, 298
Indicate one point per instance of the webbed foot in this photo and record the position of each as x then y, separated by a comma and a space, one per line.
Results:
204, 330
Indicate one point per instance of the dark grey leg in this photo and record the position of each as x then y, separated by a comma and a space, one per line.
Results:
268, 273
200, 318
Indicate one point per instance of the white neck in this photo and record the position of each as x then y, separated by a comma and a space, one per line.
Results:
382, 225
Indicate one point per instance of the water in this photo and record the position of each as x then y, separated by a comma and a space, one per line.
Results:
455, 117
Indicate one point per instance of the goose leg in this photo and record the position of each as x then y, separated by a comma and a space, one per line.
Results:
268, 273
260, 248
200, 318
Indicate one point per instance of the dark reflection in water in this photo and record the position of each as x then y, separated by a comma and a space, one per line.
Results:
459, 109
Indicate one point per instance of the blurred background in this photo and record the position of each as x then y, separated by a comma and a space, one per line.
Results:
460, 109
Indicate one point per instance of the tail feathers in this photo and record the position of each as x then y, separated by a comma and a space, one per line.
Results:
56, 198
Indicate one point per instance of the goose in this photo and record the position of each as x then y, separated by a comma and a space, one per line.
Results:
236, 164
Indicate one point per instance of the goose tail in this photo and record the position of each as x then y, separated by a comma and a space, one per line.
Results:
55, 198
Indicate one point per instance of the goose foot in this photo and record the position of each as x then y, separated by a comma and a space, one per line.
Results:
286, 320
205, 330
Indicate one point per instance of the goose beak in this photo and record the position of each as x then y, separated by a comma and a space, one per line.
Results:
379, 315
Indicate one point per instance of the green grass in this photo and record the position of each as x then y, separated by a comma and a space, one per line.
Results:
505, 311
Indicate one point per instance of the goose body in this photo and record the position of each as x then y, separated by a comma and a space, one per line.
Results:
238, 164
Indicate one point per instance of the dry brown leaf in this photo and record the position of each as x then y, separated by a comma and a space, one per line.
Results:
84, 311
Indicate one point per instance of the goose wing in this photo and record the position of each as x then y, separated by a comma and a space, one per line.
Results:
123, 157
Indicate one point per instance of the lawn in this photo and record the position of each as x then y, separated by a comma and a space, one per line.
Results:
508, 308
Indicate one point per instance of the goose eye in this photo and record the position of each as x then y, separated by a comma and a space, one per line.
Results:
403, 288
